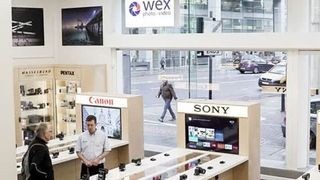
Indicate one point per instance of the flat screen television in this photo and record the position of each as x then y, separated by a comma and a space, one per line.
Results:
108, 119
212, 133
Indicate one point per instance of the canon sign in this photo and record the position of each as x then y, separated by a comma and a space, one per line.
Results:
211, 109
100, 101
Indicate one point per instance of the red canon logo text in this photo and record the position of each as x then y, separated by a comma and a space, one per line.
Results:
101, 101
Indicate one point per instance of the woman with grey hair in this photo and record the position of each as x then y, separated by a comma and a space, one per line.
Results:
37, 158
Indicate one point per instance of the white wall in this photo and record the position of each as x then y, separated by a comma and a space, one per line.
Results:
7, 125
92, 54
54, 53
38, 54
86, 54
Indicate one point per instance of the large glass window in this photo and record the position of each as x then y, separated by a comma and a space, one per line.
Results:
231, 5
203, 16
189, 72
315, 15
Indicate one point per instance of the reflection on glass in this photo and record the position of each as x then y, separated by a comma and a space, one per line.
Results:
160, 167
174, 171
245, 16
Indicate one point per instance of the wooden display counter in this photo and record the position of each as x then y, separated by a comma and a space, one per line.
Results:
222, 126
126, 111
314, 174
67, 166
177, 162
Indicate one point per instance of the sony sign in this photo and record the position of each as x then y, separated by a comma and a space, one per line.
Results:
212, 109
149, 13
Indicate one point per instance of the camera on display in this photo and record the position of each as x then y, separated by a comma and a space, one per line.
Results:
55, 155
32, 91
71, 150
183, 177
102, 174
85, 177
199, 170
122, 166
306, 176
60, 136
28, 105
136, 161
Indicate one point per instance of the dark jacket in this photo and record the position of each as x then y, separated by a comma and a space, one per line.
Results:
40, 164
166, 91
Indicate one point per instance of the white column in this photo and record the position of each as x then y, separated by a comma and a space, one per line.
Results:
298, 15
298, 120
113, 19
7, 125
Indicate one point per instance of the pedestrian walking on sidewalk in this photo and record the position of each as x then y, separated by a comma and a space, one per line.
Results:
167, 93
162, 63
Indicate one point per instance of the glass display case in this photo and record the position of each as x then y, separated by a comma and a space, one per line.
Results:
66, 91
36, 106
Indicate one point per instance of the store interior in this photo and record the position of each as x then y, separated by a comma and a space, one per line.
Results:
60, 83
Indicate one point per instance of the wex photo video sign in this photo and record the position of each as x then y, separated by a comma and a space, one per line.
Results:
149, 13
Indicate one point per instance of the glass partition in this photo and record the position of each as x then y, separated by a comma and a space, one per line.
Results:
211, 16
233, 75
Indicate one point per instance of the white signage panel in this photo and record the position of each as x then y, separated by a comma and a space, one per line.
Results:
274, 89
102, 101
212, 53
212, 109
172, 77
149, 13
199, 86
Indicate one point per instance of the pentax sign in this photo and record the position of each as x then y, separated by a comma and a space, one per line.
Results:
102, 101
149, 13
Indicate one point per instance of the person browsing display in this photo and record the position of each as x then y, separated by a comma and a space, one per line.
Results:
36, 162
92, 147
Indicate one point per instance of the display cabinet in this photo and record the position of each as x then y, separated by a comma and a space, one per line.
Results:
35, 101
65, 106
46, 93
67, 85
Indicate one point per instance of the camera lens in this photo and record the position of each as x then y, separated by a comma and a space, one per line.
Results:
183, 177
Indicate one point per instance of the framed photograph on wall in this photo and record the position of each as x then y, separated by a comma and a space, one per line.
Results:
27, 26
82, 26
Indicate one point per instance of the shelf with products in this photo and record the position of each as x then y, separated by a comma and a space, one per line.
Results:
36, 106
50, 90
66, 91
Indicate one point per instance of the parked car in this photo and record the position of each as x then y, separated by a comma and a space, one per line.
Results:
276, 76
254, 64
275, 59
314, 107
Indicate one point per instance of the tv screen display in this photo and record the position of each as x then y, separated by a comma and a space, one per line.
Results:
108, 119
212, 133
